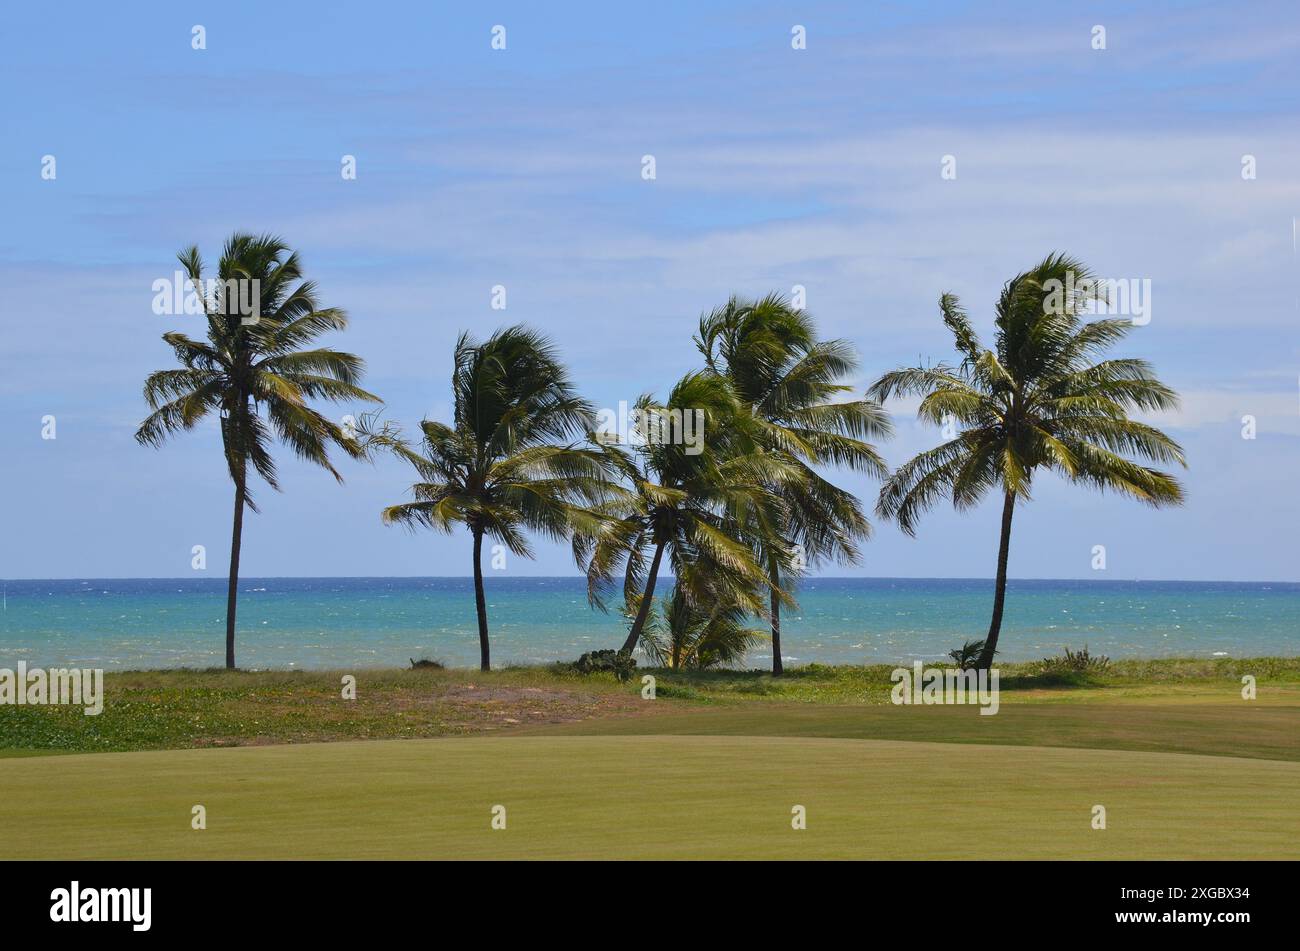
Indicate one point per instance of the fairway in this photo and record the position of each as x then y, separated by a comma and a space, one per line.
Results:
649, 797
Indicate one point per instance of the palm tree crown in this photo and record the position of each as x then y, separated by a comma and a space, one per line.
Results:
689, 636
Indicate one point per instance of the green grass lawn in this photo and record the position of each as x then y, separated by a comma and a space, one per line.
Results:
649, 797
711, 768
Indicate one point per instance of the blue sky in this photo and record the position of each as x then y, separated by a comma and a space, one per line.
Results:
521, 167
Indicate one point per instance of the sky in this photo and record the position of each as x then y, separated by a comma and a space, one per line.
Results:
822, 167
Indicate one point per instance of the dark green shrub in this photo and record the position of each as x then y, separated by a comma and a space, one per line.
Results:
1077, 662
621, 665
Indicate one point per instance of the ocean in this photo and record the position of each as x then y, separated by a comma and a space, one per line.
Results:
383, 622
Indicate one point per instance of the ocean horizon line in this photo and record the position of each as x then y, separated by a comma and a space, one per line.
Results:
668, 578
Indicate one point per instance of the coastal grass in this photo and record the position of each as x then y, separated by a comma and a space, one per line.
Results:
650, 797
177, 709
1178, 680
1162, 705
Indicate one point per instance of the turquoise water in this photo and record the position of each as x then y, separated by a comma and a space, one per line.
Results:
380, 622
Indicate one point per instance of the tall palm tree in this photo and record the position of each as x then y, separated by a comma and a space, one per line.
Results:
254, 373
686, 635
1035, 401
686, 501
790, 381
497, 468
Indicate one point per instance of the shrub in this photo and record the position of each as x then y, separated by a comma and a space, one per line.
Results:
620, 664
1077, 662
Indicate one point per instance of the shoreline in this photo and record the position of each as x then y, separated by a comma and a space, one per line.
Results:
757, 664
792, 667
468, 579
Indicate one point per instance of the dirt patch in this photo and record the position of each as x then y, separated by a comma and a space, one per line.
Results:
413, 711
493, 692
501, 707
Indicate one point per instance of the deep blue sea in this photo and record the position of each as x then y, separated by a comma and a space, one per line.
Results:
382, 622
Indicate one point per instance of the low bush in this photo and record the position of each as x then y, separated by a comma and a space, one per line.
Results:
621, 665
1076, 662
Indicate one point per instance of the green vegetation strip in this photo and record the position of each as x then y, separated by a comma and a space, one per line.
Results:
1167, 705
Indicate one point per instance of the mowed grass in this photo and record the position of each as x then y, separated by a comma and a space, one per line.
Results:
648, 797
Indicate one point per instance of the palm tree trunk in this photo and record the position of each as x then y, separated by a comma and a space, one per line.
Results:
775, 571
647, 598
232, 591
485, 658
985, 660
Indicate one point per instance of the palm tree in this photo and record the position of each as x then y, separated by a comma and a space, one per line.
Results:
497, 468
254, 373
686, 635
687, 498
1035, 401
789, 381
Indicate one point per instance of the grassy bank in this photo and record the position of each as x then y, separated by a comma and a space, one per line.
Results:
1187, 705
